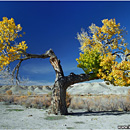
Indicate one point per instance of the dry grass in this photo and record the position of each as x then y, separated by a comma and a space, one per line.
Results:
30, 100
90, 103
101, 103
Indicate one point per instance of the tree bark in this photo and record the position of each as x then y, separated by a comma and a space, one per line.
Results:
59, 99
58, 104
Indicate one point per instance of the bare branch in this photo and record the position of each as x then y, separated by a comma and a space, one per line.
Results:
127, 54
43, 56
117, 52
16, 69
55, 62
107, 42
120, 55
74, 78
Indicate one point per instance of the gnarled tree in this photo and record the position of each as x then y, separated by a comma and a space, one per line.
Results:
97, 58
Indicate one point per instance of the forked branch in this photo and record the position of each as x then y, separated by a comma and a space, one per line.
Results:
48, 54
16, 69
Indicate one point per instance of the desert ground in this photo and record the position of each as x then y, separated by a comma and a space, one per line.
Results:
20, 117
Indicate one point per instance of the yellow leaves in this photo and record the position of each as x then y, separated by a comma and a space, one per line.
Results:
4, 60
12, 49
104, 29
126, 51
2, 47
9, 48
104, 21
110, 36
110, 70
107, 61
5, 19
22, 46
83, 46
109, 31
104, 40
93, 28
110, 23
125, 44
98, 75
14, 52
20, 35
110, 27
19, 27
8, 30
128, 81
119, 75
11, 20
89, 61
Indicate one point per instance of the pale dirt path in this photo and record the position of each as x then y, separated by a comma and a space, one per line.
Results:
35, 119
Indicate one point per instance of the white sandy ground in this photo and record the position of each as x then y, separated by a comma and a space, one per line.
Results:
35, 119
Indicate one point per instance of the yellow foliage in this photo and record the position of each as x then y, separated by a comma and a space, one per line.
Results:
8, 48
104, 40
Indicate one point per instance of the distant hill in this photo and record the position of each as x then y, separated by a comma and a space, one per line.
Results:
95, 88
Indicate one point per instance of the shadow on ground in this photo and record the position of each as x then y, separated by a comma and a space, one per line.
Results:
103, 113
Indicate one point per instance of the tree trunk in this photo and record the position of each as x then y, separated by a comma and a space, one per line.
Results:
62, 83
59, 99
63, 105
59, 89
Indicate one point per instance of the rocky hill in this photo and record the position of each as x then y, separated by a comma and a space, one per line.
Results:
95, 88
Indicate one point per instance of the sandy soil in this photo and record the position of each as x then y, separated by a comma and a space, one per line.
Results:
19, 117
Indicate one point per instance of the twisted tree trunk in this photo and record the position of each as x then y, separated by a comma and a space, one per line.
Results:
59, 88
58, 104
62, 83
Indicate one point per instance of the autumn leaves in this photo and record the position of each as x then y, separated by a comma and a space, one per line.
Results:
9, 48
99, 53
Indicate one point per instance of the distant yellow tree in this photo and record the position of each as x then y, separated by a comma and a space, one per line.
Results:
101, 49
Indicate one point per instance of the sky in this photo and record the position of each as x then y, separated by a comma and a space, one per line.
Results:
55, 25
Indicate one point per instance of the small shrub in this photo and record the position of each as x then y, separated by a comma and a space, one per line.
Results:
8, 99
9, 92
55, 118
49, 94
14, 109
20, 100
1, 98
129, 92
128, 100
76, 103
89, 104
29, 93
70, 128
68, 99
79, 122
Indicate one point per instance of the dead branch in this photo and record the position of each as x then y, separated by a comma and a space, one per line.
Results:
17, 71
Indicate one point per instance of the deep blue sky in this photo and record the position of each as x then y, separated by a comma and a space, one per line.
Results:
55, 25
